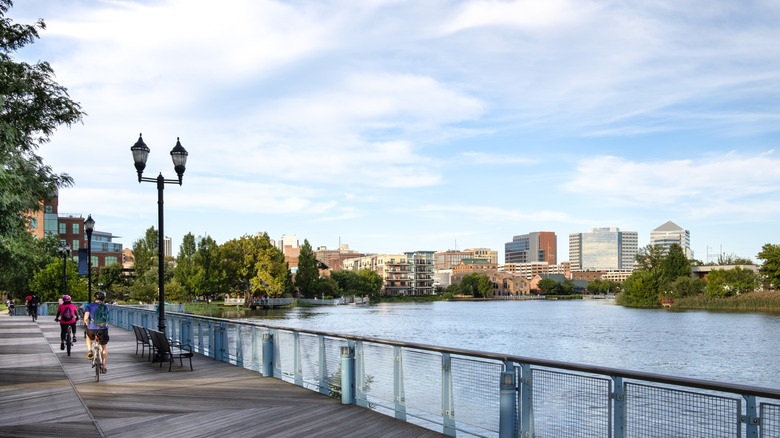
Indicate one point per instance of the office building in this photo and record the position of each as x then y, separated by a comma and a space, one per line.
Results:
538, 246
669, 233
603, 249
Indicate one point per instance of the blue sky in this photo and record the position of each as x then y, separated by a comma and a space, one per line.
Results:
396, 126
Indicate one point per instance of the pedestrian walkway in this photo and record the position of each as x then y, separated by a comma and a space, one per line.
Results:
44, 392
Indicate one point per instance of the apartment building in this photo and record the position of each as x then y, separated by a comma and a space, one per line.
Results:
484, 253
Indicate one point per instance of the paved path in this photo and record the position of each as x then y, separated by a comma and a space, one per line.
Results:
45, 393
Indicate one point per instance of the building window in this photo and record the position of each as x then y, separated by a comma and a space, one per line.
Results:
48, 209
109, 261
95, 261
75, 246
75, 228
34, 223
63, 228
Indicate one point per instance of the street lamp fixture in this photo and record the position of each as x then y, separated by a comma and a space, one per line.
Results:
179, 157
64, 250
89, 226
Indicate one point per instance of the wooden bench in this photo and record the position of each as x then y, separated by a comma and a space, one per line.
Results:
165, 347
142, 339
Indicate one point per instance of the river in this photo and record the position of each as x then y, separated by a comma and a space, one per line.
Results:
739, 348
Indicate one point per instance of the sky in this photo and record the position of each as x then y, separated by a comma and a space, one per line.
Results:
396, 126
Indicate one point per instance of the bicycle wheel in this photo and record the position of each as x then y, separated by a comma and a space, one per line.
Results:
68, 342
96, 363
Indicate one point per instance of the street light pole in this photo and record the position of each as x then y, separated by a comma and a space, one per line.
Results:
64, 251
179, 157
89, 226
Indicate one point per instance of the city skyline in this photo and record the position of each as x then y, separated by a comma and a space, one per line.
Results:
402, 126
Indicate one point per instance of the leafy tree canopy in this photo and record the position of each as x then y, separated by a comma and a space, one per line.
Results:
770, 268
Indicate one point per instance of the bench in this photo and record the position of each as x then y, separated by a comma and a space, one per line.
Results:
142, 339
164, 346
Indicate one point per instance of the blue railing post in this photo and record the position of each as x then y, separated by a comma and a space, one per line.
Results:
525, 395
239, 347
255, 351
219, 337
507, 408
297, 367
347, 375
398, 384
361, 377
447, 405
186, 331
751, 419
619, 405
201, 346
268, 355
323, 368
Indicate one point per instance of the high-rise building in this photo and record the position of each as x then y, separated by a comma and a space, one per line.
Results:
539, 246
670, 233
167, 246
603, 249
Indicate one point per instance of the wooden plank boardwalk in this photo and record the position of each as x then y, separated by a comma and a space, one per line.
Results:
45, 393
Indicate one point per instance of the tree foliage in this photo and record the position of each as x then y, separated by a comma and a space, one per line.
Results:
770, 268
209, 276
727, 283
308, 273
476, 284
49, 282
32, 107
184, 272
270, 274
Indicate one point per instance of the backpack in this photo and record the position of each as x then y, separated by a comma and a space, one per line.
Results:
101, 315
67, 313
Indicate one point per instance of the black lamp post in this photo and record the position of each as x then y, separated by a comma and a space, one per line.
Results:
64, 251
89, 226
179, 157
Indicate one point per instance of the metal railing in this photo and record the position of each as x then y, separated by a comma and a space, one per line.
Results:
475, 393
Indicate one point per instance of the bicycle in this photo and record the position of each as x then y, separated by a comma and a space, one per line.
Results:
97, 358
68, 340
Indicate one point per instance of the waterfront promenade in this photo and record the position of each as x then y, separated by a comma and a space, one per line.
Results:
44, 392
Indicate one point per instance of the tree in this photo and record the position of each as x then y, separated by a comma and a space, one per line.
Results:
27, 256
476, 284
112, 277
686, 286
145, 253
270, 273
32, 106
308, 272
649, 257
641, 289
184, 272
209, 276
548, 286
369, 282
49, 284
726, 283
675, 264
770, 268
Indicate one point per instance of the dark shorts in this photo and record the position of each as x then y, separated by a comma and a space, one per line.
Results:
102, 332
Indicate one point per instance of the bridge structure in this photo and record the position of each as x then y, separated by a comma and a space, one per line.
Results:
474, 393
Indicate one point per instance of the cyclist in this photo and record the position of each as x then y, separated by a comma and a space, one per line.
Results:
67, 315
32, 307
96, 319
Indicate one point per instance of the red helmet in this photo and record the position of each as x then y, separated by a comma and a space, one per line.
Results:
66, 298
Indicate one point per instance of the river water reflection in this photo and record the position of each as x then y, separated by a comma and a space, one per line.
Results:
727, 347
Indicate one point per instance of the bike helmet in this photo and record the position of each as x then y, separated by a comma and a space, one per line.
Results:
100, 295
66, 298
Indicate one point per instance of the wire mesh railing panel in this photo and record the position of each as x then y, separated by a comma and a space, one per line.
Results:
770, 420
310, 360
567, 404
378, 374
285, 348
333, 365
655, 411
422, 373
476, 383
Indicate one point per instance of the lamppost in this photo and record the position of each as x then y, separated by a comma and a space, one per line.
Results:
64, 251
89, 226
179, 157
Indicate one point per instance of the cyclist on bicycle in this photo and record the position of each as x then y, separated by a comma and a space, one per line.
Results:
67, 315
96, 318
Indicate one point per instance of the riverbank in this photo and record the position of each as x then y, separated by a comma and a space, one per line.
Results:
760, 301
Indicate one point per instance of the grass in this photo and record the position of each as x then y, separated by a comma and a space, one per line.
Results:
759, 301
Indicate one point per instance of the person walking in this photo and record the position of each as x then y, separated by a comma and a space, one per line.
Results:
67, 315
96, 316
32, 307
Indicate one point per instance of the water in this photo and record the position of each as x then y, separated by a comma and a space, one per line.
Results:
739, 348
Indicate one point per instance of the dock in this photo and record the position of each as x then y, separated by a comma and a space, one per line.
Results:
45, 393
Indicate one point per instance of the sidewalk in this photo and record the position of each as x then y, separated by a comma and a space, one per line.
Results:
44, 392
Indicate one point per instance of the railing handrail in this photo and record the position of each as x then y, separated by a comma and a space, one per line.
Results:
592, 369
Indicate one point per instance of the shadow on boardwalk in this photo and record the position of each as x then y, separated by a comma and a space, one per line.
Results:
44, 392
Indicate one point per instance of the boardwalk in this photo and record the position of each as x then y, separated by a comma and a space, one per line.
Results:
43, 392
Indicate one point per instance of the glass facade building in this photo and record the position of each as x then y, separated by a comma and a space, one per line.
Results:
603, 249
